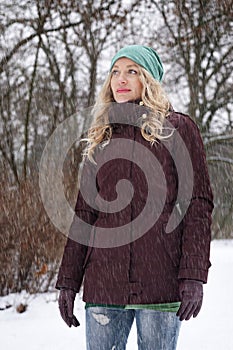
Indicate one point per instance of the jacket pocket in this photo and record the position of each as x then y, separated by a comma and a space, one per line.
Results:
172, 244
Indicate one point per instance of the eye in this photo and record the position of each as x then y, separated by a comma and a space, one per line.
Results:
115, 72
132, 71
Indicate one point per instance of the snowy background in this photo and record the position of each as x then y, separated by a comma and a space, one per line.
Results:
41, 328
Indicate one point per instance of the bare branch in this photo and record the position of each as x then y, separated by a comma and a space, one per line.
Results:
26, 40
219, 159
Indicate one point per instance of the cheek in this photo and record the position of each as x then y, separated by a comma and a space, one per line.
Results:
112, 83
112, 86
139, 88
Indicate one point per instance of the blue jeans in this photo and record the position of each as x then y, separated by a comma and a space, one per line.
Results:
108, 328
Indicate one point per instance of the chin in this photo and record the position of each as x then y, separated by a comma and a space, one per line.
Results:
123, 100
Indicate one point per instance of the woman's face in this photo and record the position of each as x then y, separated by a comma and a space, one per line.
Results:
125, 83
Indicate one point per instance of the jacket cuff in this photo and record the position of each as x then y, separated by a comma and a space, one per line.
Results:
67, 283
194, 268
193, 274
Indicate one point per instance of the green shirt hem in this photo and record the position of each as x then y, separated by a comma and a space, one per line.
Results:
166, 307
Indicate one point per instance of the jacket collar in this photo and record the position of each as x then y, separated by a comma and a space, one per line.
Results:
129, 113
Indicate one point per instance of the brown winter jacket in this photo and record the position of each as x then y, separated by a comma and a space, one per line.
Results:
143, 264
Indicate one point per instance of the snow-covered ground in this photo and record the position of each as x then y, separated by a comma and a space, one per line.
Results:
41, 328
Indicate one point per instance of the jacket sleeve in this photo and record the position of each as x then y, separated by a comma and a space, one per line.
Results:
71, 270
196, 236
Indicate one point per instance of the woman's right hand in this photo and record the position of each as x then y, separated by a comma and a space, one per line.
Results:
66, 307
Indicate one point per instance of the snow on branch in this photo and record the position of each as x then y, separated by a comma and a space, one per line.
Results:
218, 138
220, 159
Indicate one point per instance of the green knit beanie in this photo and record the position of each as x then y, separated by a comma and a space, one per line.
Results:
144, 56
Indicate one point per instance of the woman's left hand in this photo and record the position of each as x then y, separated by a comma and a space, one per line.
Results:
191, 294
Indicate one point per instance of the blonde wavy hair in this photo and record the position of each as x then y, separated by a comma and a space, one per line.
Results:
153, 97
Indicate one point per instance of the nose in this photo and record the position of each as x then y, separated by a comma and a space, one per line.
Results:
122, 78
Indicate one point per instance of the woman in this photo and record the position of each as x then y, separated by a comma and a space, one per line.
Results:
139, 153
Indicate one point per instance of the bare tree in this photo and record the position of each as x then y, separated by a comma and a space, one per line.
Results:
197, 36
26, 78
56, 48
194, 39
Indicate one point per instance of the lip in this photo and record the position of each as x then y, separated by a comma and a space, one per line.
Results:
123, 90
